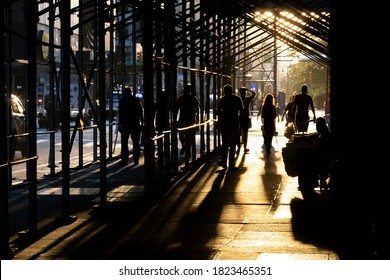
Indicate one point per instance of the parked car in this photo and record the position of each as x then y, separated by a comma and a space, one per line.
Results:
18, 126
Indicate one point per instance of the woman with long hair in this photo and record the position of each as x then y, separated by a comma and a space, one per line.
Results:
268, 118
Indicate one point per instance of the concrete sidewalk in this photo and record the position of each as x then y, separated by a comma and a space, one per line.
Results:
255, 212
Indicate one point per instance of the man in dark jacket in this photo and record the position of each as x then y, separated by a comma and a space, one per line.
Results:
230, 107
188, 106
131, 119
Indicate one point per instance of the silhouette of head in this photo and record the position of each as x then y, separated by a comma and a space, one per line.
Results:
304, 88
243, 91
321, 125
269, 99
127, 92
228, 90
187, 89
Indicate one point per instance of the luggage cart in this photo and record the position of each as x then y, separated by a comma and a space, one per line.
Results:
300, 158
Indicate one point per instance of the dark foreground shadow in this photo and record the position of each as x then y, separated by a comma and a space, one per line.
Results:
331, 224
311, 222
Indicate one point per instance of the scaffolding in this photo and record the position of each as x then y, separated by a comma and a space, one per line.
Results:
81, 53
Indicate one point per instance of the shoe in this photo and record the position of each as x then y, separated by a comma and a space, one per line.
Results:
220, 163
182, 151
246, 150
136, 161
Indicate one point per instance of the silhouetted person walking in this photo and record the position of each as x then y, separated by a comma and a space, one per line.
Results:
300, 106
228, 112
325, 151
188, 106
131, 119
281, 102
247, 97
288, 113
162, 108
52, 112
268, 118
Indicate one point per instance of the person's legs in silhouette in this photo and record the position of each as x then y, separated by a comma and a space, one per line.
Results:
125, 146
135, 138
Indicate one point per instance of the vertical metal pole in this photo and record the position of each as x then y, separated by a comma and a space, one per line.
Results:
191, 16
81, 153
160, 98
201, 93
65, 104
148, 92
95, 141
9, 86
110, 88
216, 80
209, 108
207, 26
275, 61
32, 113
170, 20
102, 108
95, 87
81, 98
133, 79
245, 53
5, 251
53, 121
216, 94
217, 61
184, 41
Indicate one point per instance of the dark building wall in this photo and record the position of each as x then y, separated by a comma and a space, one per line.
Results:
359, 215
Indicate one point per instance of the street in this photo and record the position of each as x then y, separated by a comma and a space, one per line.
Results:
80, 156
